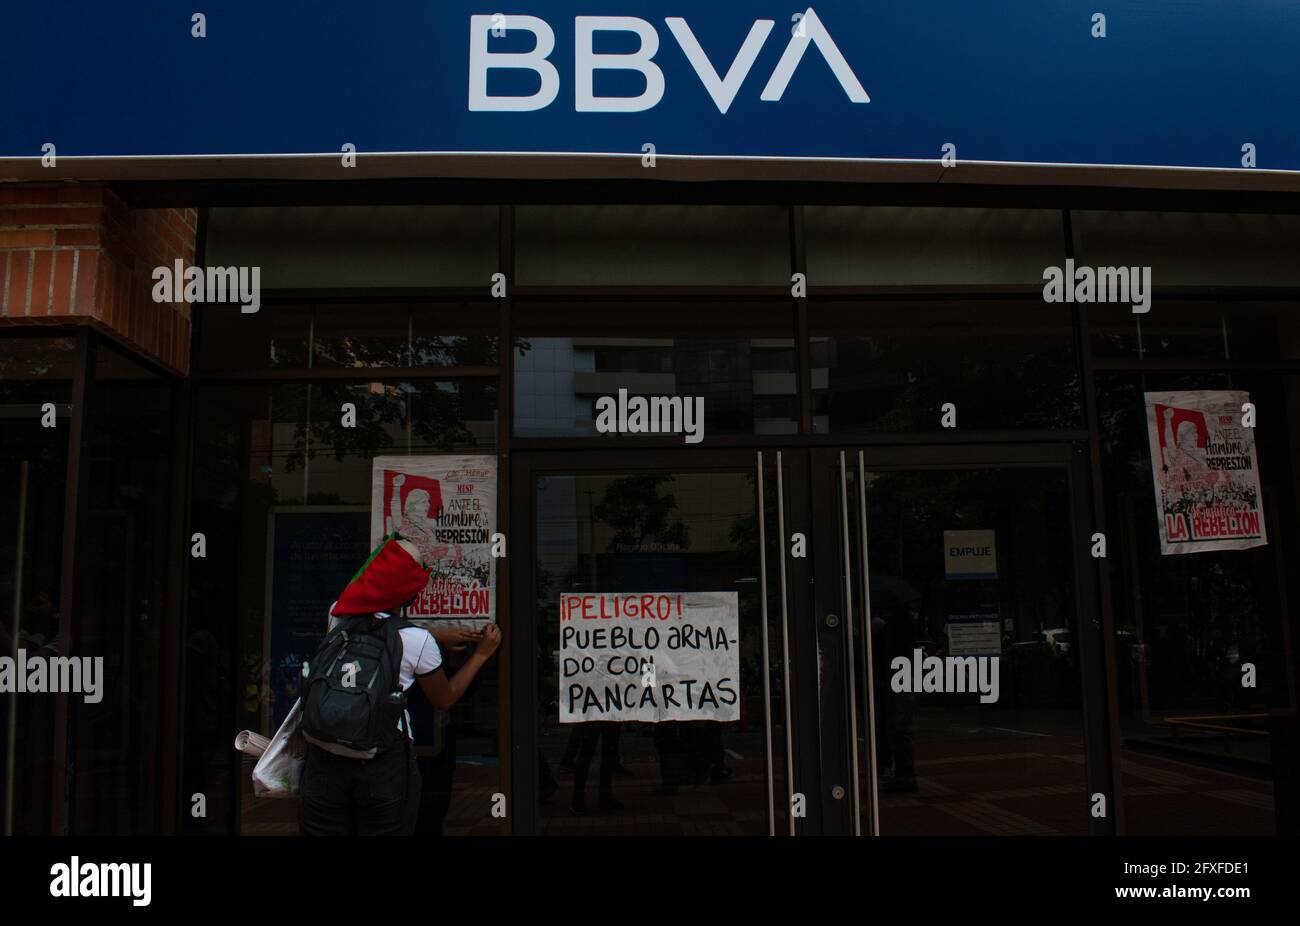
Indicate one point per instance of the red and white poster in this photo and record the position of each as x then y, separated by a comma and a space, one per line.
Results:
1205, 472
446, 506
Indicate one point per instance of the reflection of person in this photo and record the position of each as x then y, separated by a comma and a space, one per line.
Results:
709, 757
893, 634
608, 735
669, 742
690, 752
341, 795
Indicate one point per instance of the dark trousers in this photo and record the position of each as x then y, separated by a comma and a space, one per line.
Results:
437, 772
359, 797
607, 734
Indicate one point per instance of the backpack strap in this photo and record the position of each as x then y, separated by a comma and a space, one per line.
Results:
399, 623
396, 649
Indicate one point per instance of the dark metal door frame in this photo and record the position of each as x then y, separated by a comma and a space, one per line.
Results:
817, 651
833, 637
521, 630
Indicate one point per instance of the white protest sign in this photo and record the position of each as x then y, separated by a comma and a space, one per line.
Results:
649, 657
447, 506
1205, 473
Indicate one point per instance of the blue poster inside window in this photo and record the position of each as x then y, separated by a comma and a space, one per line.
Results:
314, 554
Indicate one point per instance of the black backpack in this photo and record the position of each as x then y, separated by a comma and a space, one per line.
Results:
359, 719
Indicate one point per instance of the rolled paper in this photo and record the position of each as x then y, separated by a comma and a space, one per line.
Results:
252, 743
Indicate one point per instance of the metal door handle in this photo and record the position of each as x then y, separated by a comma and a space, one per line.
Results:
785, 647
873, 796
848, 650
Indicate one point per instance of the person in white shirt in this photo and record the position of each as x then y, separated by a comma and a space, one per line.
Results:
341, 795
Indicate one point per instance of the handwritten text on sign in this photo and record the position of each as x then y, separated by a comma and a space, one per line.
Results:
649, 657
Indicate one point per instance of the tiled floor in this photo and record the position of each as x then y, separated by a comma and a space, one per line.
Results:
985, 785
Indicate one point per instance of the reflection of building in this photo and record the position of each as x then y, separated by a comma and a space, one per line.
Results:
747, 384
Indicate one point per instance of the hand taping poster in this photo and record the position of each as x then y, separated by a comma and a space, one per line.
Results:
446, 506
649, 657
1205, 472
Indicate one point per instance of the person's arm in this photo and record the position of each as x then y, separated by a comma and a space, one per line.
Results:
454, 639
443, 692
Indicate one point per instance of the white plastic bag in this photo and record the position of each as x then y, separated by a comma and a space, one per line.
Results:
279, 771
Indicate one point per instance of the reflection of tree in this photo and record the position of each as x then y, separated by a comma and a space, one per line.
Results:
634, 507
436, 415
387, 345
435, 412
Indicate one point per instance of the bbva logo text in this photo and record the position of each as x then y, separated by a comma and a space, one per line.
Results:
722, 89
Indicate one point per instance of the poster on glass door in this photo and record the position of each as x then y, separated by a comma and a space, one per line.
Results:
1205, 471
649, 657
447, 506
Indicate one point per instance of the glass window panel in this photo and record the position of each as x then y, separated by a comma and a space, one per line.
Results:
32, 371
661, 245
361, 335
661, 532
455, 334
123, 571
274, 336
1185, 329
280, 441
1007, 758
35, 370
891, 366
740, 358
906, 245
390, 418
352, 247
1199, 749
350, 334
460, 415
287, 486
1193, 248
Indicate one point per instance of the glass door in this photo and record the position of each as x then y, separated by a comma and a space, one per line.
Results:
958, 665
651, 647
33, 461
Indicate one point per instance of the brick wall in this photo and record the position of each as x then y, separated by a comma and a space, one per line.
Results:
76, 254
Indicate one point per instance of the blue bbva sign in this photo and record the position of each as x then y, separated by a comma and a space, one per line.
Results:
1197, 83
